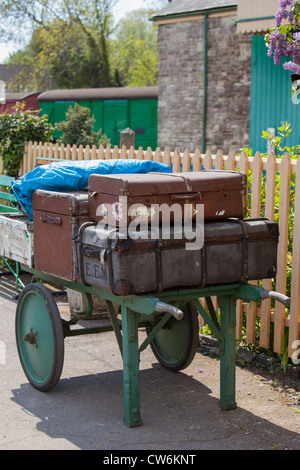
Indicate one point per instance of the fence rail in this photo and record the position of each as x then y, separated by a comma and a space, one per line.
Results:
272, 177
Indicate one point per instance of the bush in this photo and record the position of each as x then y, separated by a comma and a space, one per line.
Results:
15, 130
78, 128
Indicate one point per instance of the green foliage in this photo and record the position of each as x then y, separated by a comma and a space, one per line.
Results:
15, 130
69, 44
284, 357
56, 57
279, 147
134, 51
78, 128
279, 142
70, 54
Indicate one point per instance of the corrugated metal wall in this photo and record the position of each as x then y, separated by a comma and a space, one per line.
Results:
271, 100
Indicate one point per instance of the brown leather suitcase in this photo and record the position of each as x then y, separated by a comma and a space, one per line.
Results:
56, 219
234, 251
223, 194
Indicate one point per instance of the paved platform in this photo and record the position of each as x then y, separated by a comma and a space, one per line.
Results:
180, 411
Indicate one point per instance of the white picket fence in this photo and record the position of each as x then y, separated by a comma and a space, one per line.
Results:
263, 173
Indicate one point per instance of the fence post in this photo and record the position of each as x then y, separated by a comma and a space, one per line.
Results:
127, 138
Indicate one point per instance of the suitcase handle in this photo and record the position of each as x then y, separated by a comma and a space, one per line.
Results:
190, 196
50, 220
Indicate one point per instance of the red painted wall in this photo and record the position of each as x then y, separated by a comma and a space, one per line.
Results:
30, 101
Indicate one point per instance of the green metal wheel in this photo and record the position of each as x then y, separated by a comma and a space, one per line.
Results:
175, 345
39, 337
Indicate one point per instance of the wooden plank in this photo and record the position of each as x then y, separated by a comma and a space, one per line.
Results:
115, 153
243, 165
219, 161
255, 212
62, 155
231, 161
74, 153
294, 326
197, 160
94, 152
87, 153
68, 153
6, 180
176, 161
167, 157
80, 152
101, 152
284, 206
265, 311
157, 155
29, 157
207, 160
56, 151
186, 161
50, 151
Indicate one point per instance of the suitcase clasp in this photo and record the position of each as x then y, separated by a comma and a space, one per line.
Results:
48, 219
224, 195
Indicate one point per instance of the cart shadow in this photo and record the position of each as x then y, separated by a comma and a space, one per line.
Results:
177, 411
8, 287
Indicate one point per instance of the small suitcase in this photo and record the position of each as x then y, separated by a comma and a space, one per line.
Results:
56, 218
223, 194
234, 251
16, 238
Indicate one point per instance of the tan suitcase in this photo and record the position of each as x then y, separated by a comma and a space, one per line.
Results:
222, 193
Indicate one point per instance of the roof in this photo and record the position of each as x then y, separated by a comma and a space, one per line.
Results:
18, 96
182, 7
7, 72
85, 94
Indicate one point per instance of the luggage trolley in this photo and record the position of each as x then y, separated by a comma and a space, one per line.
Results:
170, 318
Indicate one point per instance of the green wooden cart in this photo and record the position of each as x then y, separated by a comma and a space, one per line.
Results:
170, 318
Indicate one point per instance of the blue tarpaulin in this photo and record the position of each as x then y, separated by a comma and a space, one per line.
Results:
74, 175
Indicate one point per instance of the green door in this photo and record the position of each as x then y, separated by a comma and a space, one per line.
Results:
143, 121
271, 99
115, 119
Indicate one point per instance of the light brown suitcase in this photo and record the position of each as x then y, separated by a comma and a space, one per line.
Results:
223, 194
56, 219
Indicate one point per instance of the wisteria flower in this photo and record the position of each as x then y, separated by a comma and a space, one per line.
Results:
284, 39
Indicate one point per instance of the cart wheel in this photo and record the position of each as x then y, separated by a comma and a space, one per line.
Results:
39, 337
176, 343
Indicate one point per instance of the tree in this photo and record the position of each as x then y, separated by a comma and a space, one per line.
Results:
16, 129
78, 128
56, 57
92, 18
134, 50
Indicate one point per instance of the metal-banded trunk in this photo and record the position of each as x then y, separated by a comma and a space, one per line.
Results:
233, 251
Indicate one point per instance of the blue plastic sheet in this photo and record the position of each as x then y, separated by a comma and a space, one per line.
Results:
74, 175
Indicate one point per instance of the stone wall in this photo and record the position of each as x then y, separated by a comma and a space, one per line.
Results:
181, 85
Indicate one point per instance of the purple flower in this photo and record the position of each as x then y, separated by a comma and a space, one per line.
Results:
284, 40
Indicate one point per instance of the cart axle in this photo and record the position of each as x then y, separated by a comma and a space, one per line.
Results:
31, 337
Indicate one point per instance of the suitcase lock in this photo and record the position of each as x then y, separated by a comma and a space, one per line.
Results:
102, 255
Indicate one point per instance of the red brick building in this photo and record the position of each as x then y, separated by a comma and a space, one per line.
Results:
30, 100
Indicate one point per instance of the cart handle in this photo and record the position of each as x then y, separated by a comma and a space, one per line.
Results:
252, 293
265, 294
161, 307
